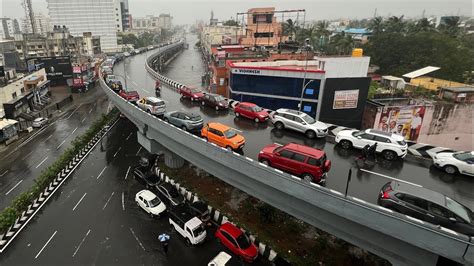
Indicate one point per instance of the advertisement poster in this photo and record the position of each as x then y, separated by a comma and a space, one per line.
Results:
405, 121
345, 99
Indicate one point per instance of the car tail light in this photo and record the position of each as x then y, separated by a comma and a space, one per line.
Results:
327, 165
385, 192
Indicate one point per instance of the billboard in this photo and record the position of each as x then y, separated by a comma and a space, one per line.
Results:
58, 68
345, 99
402, 120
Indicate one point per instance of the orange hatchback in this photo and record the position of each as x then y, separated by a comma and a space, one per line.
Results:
223, 136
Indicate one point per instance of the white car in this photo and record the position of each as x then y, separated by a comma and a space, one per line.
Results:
40, 121
150, 203
455, 162
220, 260
110, 78
299, 121
152, 105
389, 145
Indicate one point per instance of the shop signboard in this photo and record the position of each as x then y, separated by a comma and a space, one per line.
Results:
345, 99
76, 69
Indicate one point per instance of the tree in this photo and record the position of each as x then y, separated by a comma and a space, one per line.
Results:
450, 26
340, 44
395, 24
376, 25
310, 32
230, 22
130, 39
290, 28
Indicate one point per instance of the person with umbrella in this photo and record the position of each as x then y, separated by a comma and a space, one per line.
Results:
164, 240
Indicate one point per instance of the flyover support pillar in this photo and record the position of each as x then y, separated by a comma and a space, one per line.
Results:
172, 160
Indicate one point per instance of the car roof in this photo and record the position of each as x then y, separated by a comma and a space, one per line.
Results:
218, 126
154, 99
167, 186
290, 111
38, 119
231, 229
419, 192
380, 132
147, 194
305, 150
247, 104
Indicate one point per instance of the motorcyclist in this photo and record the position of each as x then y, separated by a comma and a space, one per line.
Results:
372, 152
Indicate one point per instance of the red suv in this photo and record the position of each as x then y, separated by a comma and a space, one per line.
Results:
308, 163
252, 111
131, 96
191, 93
237, 241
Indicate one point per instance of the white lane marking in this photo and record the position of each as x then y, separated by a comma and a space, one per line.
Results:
123, 201
138, 151
129, 135
108, 200
61, 144
392, 178
140, 243
83, 119
42, 162
39, 253
101, 172
73, 131
29, 153
128, 170
50, 136
90, 111
80, 244
13, 187
73, 209
6, 171
134, 83
74, 111
115, 154
147, 91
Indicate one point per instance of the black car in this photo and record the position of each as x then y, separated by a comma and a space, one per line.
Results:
200, 210
216, 101
427, 205
171, 193
144, 175
148, 161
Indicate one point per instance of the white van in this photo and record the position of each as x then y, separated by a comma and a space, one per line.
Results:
187, 225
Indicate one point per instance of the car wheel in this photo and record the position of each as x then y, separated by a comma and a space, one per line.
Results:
279, 125
389, 155
188, 242
346, 144
151, 215
307, 177
265, 162
203, 103
310, 134
237, 114
184, 128
256, 120
217, 108
148, 111
229, 148
450, 169
166, 120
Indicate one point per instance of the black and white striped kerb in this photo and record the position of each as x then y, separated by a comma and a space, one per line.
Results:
33, 208
218, 217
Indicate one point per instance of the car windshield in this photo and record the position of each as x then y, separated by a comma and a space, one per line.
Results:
257, 109
358, 133
462, 155
173, 193
401, 142
195, 90
219, 98
308, 119
458, 209
230, 133
155, 202
160, 103
194, 117
198, 231
243, 241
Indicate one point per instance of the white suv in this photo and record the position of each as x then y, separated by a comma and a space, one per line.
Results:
299, 121
152, 105
389, 145
455, 162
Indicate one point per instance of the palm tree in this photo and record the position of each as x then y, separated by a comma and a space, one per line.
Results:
395, 25
322, 28
341, 44
376, 25
290, 28
310, 32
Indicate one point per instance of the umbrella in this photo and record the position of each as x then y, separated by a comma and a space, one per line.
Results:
163, 237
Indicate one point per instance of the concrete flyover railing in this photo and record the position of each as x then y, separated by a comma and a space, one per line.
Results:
398, 238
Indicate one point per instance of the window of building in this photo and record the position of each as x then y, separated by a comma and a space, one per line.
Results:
263, 34
40, 46
14, 96
22, 90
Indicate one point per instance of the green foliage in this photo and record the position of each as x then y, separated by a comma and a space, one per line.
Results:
230, 22
268, 214
142, 40
21, 202
372, 89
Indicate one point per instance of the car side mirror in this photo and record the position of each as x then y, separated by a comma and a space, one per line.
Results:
452, 220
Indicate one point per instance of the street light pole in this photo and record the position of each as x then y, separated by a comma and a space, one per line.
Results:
300, 105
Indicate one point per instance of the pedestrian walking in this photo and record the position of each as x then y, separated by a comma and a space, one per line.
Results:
164, 240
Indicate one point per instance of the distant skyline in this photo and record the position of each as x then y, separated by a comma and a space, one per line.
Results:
186, 11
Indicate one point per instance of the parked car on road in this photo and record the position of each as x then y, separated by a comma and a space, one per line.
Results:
192, 93
251, 111
145, 176
184, 120
150, 203
170, 192
237, 241
110, 78
299, 121
223, 136
116, 86
220, 260
187, 225
152, 105
40, 121
216, 101
309, 163
455, 162
131, 96
427, 205
391, 146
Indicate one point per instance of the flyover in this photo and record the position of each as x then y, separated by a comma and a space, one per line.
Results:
396, 237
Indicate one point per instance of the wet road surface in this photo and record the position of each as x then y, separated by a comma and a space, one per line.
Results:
187, 68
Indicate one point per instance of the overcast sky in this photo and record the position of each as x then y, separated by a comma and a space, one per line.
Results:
186, 11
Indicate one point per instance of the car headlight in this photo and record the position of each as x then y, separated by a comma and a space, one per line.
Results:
441, 160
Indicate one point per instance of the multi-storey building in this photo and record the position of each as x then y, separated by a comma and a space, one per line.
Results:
8, 28
100, 17
42, 24
126, 19
262, 28
164, 21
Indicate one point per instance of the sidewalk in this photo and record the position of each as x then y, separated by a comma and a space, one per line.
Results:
58, 93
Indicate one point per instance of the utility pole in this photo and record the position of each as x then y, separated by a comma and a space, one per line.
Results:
303, 86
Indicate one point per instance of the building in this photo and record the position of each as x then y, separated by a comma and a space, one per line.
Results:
332, 89
434, 84
262, 28
91, 44
464, 94
8, 28
9, 57
217, 35
150, 23
42, 24
126, 18
164, 21
22, 95
100, 17
361, 35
